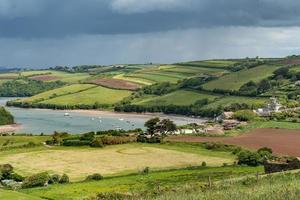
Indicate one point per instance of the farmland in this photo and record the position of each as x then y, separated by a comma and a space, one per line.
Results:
183, 97
91, 96
80, 162
234, 81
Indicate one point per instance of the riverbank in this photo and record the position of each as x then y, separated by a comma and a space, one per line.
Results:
10, 128
175, 118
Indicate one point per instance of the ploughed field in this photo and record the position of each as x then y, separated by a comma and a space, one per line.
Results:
116, 84
282, 141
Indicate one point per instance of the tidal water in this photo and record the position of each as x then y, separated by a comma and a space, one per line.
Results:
45, 121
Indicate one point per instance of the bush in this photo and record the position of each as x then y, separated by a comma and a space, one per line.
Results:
95, 177
72, 142
5, 171
64, 179
16, 177
146, 170
36, 180
249, 158
54, 179
244, 115
203, 164
97, 142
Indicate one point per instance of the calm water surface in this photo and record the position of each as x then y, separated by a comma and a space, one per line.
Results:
38, 121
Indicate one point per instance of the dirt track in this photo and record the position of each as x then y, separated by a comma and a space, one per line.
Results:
282, 141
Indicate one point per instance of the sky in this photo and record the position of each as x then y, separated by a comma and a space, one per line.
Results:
44, 33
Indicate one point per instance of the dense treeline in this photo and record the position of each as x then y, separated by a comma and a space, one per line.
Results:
196, 109
56, 106
5, 117
26, 87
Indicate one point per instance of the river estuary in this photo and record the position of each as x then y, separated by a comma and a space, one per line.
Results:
46, 121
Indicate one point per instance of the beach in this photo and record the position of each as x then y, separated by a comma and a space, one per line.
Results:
10, 128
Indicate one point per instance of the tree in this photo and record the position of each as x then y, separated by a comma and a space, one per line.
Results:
264, 86
151, 125
166, 126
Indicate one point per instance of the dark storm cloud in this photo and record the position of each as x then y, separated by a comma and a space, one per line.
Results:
60, 18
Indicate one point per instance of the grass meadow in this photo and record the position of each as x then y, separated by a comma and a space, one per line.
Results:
235, 80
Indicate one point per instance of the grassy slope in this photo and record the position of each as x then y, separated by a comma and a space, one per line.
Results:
180, 97
88, 97
12, 141
234, 81
137, 183
58, 92
272, 187
13, 195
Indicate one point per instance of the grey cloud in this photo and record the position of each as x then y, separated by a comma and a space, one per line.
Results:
62, 18
163, 47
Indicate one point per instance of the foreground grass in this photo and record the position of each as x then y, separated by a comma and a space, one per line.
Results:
13, 195
272, 187
163, 180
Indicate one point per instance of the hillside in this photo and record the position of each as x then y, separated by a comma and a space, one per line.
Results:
202, 88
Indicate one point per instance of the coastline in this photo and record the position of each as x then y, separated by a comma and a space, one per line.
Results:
138, 115
10, 128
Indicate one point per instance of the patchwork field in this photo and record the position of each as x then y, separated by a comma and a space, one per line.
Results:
211, 63
116, 83
91, 96
228, 100
234, 81
70, 89
180, 97
80, 162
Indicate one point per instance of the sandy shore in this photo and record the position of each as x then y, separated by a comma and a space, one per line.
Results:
10, 128
138, 115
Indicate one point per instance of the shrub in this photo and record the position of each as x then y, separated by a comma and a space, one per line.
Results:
54, 179
16, 177
95, 177
64, 179
203, 164
97, 142
88, 136
72, 142
146, 170
249, 158
6, 170
36, 180
244, 115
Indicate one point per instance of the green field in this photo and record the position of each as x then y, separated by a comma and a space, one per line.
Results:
211, 63
70, 89
91, 96
180, 97
228, 100
80, 162
235, 80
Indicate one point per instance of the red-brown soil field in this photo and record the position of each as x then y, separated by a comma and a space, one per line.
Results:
282, 141
116, 84
44, 78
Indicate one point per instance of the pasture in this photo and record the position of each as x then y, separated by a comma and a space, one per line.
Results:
235, 80
91, 96
70, 89
180, 97
80, 162
225, 101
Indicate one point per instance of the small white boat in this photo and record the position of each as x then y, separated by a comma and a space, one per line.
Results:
121, 119
93, 118
100, 121
67, 114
